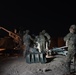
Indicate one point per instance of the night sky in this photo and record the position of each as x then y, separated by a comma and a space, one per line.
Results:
53, 16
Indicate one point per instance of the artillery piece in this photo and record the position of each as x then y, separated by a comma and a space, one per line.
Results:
13, 42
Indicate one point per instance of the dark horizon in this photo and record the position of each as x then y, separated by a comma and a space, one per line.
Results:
54, 17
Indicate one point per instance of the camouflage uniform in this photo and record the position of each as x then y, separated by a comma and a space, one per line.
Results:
48, 38
27, 42
71, 38
42, 41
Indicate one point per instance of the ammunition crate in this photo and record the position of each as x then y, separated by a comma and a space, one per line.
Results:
36, 58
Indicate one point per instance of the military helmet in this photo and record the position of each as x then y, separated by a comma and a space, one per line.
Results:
43, 31
27, 31
73, 26
72, 29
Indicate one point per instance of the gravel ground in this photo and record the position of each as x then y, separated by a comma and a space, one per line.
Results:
16, 65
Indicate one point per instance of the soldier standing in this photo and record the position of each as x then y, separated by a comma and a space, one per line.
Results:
42, 42
71, 43
48, 39
27, 42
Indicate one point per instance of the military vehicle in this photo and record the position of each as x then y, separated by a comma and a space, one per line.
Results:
10, 43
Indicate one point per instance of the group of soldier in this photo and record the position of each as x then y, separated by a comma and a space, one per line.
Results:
40, 42
43, 40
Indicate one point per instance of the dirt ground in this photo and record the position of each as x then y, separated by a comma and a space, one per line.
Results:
16, 65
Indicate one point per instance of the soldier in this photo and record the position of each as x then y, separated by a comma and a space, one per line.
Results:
48, 39
42, 42
71, 43
27, 42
